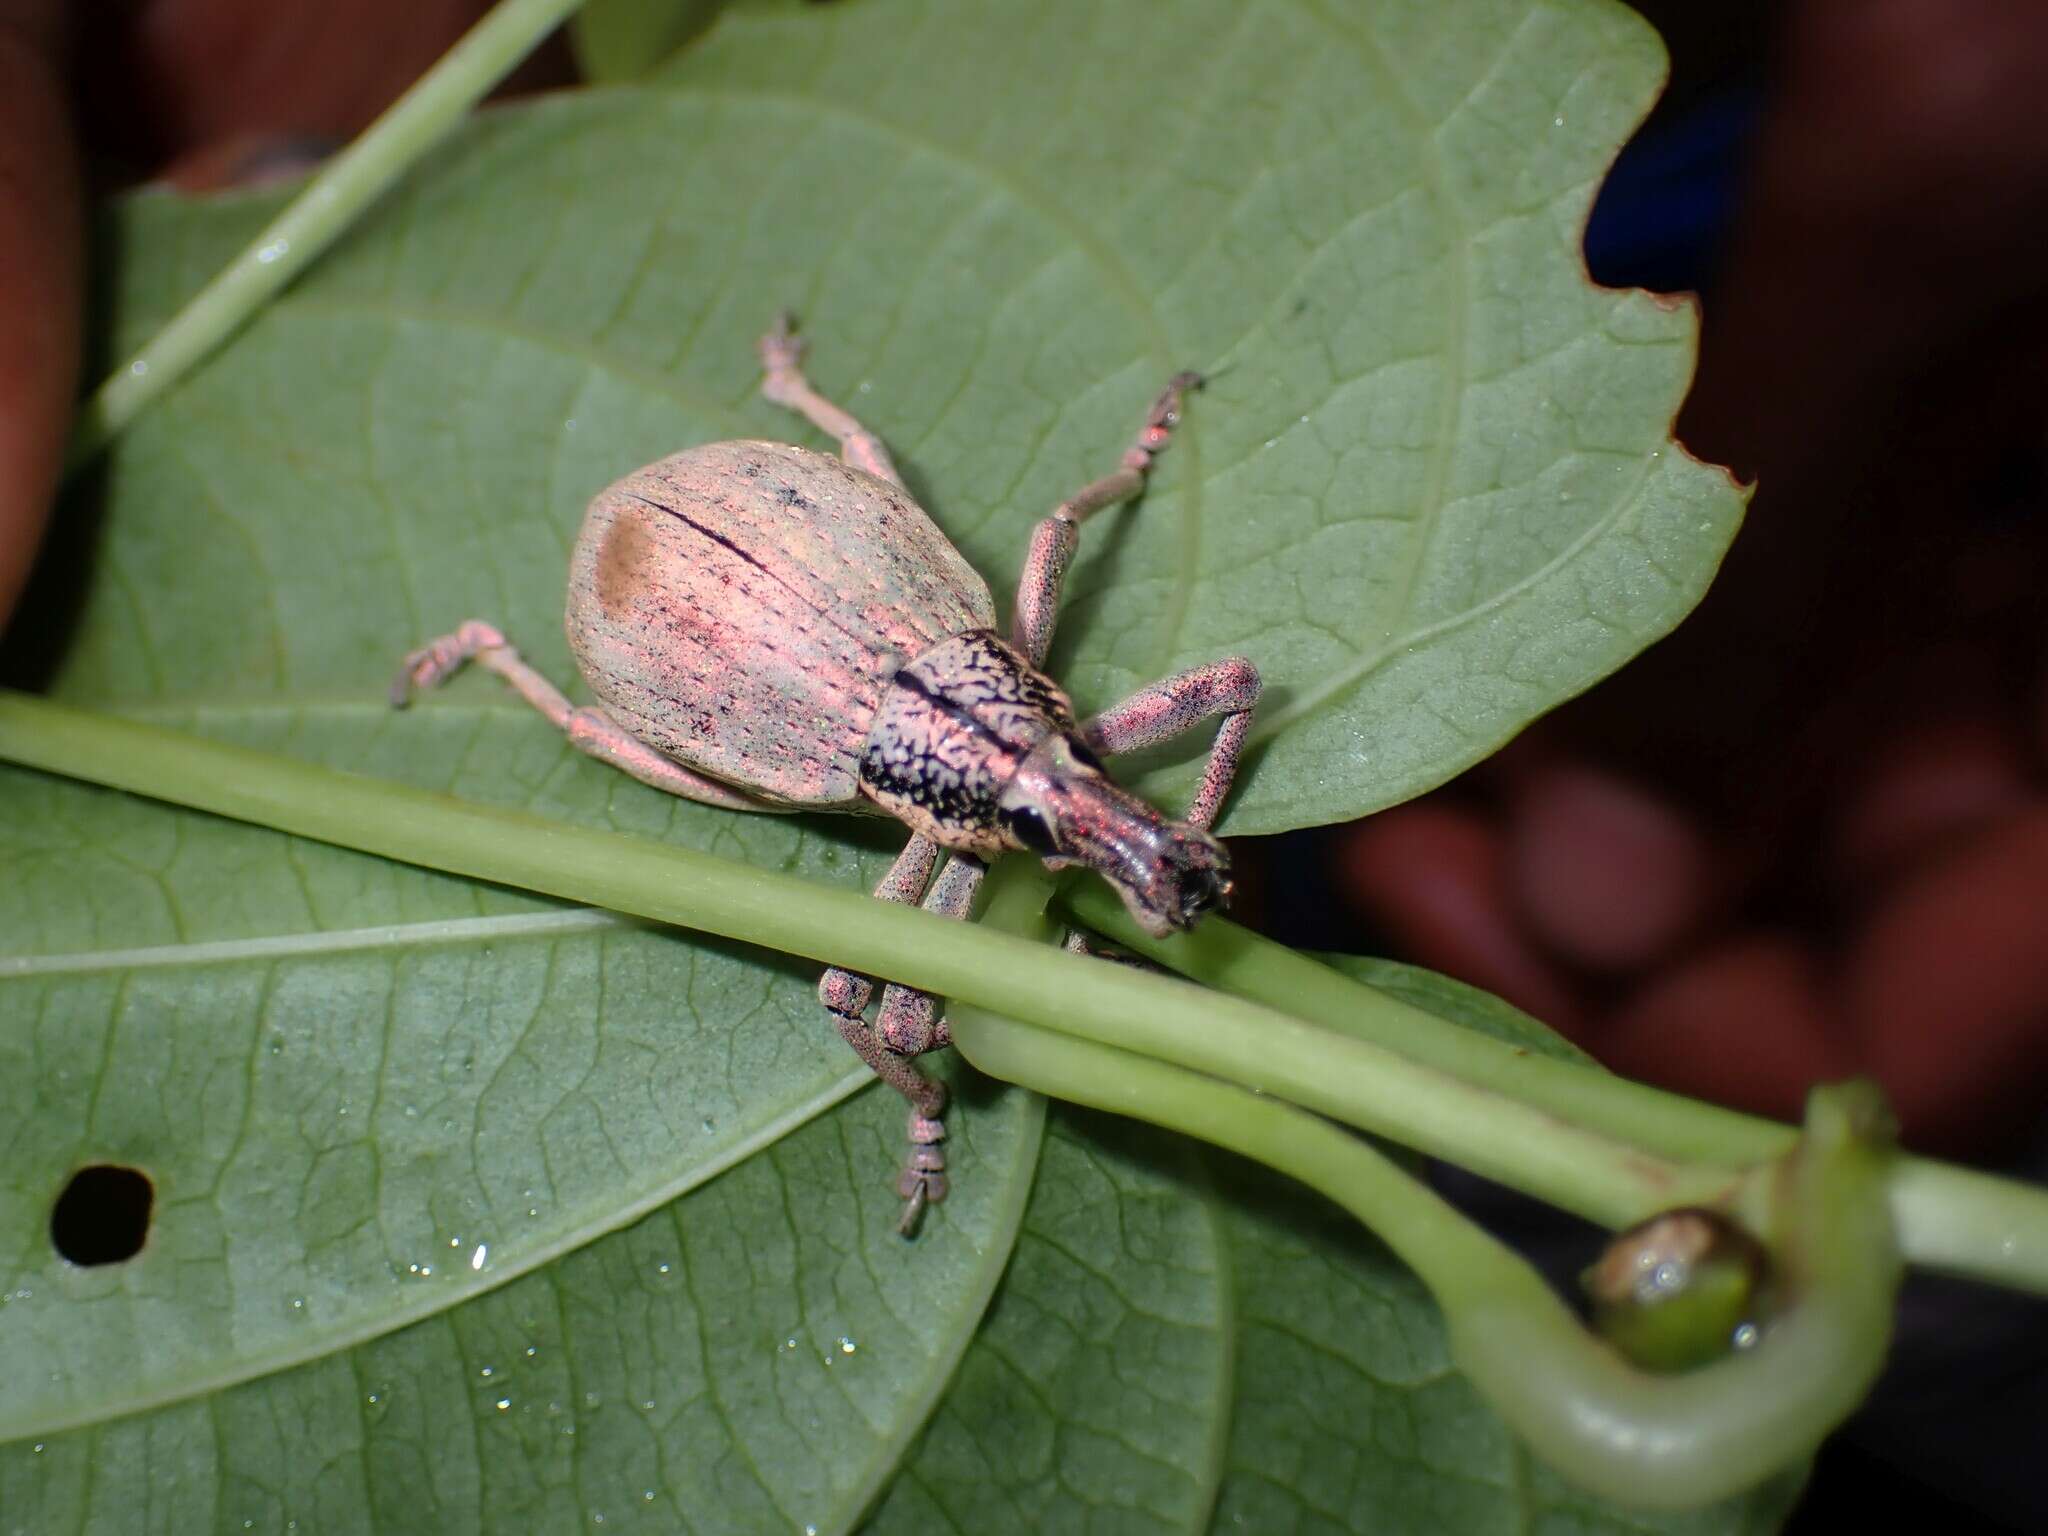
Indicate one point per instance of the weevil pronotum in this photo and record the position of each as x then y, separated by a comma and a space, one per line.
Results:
767, 628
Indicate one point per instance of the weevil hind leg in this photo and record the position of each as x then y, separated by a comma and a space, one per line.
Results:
1175, 705
907, 1024
590, 730
783, 381
1057, 536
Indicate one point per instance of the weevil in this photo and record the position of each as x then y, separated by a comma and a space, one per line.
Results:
769, 628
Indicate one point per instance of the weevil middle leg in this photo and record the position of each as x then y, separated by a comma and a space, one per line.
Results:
905, 1026
1058, 535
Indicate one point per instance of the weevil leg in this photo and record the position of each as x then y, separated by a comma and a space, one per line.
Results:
909, 1023
906, 1025
590, 730
1178, 704
845, 993
783, 381
1056, 537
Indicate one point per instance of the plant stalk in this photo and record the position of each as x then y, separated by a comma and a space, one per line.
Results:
2000, 1231
349, 182
1957, 1220
1673, 1442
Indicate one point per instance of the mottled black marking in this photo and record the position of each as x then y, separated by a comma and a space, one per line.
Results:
952, 726
934, 787
997, 674
946, 705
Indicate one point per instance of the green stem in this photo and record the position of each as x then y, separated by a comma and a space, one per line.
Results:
1233, 959
1953, 1219
1674, 1442
1349, 1078
328, 204
1153, 1014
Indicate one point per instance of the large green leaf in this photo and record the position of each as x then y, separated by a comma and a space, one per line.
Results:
1431, 490
391, 1116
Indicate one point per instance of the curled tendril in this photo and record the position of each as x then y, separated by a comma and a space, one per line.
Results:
1628, 1434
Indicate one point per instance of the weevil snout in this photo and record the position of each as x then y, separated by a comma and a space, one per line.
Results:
1060, 806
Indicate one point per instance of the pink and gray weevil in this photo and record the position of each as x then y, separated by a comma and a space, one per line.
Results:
768, 628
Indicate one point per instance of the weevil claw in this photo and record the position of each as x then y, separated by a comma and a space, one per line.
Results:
1162, 419
430, 665
402, 684
781, 348
913, 1210
921, 1184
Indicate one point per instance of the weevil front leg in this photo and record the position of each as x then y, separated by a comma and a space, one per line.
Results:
1056, 537
1176, 705
845, 993
907, 1026
783, 381
590, 730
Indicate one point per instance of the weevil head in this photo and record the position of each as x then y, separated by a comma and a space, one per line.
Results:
978, 750
1061, 806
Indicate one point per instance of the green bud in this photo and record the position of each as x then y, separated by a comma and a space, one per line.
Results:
1677, 1291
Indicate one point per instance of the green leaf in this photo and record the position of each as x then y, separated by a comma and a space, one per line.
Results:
621, 40
1449, 998
1098, 1391
1429, 490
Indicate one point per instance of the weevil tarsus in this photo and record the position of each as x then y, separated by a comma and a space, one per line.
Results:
783, 381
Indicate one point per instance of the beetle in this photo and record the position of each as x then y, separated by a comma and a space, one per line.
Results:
770, 628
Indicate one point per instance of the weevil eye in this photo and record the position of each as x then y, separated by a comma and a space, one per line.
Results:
1084, 754
1029, 828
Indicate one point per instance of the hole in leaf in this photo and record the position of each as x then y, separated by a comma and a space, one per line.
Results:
103, 1215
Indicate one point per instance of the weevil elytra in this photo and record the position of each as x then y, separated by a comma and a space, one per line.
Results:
768, 628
